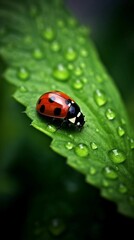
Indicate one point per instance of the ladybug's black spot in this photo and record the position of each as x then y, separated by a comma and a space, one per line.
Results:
39, 101
51, 99
57, 111
42, 108
68, 101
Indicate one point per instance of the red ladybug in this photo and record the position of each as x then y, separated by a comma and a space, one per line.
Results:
59, 106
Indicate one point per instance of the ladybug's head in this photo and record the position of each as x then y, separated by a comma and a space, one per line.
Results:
75, 116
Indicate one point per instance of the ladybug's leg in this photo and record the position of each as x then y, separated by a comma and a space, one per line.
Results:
64, 121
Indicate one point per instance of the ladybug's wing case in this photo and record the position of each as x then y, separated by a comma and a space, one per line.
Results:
53, 104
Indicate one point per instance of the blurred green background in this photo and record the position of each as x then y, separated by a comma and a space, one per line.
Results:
40, 196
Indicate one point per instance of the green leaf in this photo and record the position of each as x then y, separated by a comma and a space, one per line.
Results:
47, 49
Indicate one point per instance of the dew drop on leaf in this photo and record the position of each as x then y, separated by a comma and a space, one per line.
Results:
78, 84
100, 97
70, 54
23, 74
81, 40
131, 143
72, 22
117, 156
71, 136
81, 150
61, 73
70, 66
99, 78
82, 65
120, 131
123, 121
105, 183
78, 71
69, 145
60, 23
23, 89
37, 54
93, 145
51, 128
122, 188
84, 80
83, 52
110, 114
92, 170
55, 46
110, 173
48, 34
97, 130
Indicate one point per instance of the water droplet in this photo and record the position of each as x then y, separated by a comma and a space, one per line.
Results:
78, 71
110, 173
55, 46
105, 183
100, 98
81, 40
110, 114
82, 65
123, 121
23, 73
93, 145
70, 54
120, 131
81, 150
60, 23
51, 128
61, 73
131, 143
117, 156
48, 34
122, 188
71, 136
69, 145
99, 79
83, 52
23, 89
70, 66
37, 54
57, 226
92, 170
72, 22
78, 84
97, 130
84, 80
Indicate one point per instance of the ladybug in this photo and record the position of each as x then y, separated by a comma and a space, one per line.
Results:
58, 105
